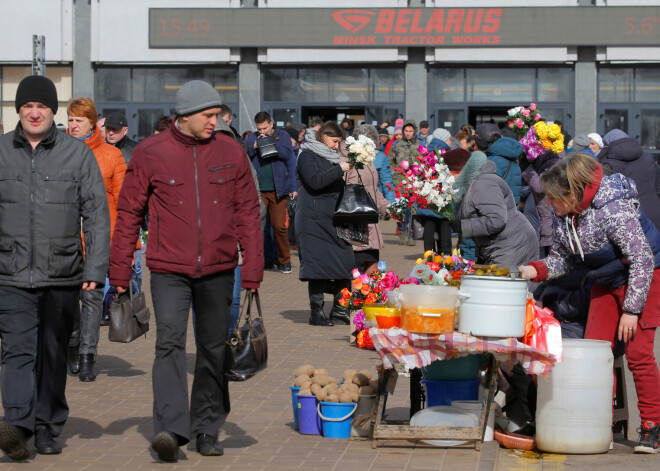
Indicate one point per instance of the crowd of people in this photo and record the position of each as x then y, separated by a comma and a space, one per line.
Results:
219, 208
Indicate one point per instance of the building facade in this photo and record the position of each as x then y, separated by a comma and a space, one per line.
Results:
594, 65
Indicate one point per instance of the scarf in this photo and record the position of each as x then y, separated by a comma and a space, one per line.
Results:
87, 136
321, 150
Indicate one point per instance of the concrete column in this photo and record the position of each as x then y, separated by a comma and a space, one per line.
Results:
249, 88
416, 96
586, 88
83, 73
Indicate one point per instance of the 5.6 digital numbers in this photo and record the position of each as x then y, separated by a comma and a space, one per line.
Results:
178, 27
645, 26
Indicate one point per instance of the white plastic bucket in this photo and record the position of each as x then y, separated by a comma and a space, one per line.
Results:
574, 402
475, 408
492, 306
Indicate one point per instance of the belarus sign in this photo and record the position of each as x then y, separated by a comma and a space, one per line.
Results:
378, 27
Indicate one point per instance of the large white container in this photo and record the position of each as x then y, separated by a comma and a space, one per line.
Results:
492, 306
574, 402
475, 408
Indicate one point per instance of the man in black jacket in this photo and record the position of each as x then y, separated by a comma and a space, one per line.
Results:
116, 133
51, 181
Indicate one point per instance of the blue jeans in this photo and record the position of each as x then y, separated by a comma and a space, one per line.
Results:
406, 226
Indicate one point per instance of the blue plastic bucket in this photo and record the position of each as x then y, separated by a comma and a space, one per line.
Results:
441, 393
294, 403
336, 418
308, 417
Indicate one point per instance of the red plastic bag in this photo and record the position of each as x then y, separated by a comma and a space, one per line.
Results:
529, 321
547, 332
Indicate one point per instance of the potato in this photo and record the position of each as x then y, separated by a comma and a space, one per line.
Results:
374, 385
346, 397
360, 380
321, 372
331, 388
348, 375
300, 380
355, 397
305, 370
305, 392
321, 395
366, 373
315, 388
332, 398
353, 387
307, 384
333, 380
321, 380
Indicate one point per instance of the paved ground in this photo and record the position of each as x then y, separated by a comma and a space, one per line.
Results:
110, 425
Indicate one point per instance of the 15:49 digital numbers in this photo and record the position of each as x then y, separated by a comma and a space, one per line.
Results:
178, 27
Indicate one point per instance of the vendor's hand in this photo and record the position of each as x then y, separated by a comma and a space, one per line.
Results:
346, 167
89, 285
528, 272
120, 289
455, 225
627, 327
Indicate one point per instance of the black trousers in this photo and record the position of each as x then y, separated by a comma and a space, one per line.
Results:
316, 289
209, 404
35, 326
441, 227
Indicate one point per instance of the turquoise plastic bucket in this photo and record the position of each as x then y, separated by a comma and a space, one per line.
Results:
294, 402
336, 418
456, 369
441, 393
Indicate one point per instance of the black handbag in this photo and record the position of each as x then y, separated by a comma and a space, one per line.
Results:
355, 205
267, 147
129, 317
247, 348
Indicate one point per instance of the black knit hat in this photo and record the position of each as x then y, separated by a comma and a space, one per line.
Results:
37, 88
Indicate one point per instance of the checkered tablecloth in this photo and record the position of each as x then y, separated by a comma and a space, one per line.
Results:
396, 345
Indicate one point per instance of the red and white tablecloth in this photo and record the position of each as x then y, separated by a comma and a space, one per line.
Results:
396, 345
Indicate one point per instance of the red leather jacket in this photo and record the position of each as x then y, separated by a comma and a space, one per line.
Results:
201, 199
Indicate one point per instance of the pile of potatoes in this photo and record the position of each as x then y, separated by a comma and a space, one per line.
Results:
319, 383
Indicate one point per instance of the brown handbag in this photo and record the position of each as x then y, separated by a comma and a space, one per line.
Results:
129, 317
247, 347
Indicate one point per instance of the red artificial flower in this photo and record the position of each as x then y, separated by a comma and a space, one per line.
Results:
456, 275
364, 340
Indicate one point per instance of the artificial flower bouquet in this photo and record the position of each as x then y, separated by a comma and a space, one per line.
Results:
523, 119
399, 207
369, 288
440, 269
361, 151
428, 182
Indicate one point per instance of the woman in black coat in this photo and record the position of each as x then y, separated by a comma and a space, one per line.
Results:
323, 255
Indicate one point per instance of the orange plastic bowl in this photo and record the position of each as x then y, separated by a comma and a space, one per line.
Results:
385, 322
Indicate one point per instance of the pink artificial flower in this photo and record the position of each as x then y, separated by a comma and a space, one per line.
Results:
415, 169
405, 165
422, 149
442, 151
519, 123
532, 107
389, 281
355, 273
525, 113
409, 173
537, 117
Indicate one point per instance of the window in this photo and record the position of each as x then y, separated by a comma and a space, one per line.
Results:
388, 84
615, 84
446, 85
555, 84
647, 85
500, 85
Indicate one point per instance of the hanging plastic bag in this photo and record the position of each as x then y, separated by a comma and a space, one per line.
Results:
547, 333
529, 320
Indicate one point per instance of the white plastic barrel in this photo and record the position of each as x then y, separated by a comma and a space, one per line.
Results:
574, 402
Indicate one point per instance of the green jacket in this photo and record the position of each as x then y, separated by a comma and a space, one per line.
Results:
404, 149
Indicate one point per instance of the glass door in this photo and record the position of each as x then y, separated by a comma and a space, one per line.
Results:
649, 134
450, 119
613, 118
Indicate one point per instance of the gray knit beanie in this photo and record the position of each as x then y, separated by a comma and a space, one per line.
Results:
196, 96
581, 142
442, 134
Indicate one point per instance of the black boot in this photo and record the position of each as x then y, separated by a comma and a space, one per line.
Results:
87, 367
317, 316
73, 361
340, 313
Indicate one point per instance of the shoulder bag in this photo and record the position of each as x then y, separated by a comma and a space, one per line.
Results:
247, 348
355, 205
129, 316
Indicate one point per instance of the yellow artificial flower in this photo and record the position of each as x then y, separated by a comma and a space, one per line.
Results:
427, 254
547, 143
541, 130
418, 261
558, 146
554, 132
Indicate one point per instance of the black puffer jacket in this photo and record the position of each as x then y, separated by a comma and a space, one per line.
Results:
126, 146
626, 156
44, 193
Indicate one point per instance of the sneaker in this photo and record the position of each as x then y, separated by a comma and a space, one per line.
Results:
411, 242
402, 238
648, 437
284, 268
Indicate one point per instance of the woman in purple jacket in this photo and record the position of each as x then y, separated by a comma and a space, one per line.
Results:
602, 224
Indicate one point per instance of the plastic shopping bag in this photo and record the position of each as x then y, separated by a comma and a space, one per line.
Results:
547, 333
529, 320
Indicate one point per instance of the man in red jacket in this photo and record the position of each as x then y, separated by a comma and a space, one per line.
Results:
202, 202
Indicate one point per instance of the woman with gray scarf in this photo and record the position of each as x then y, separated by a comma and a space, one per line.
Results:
325, 259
